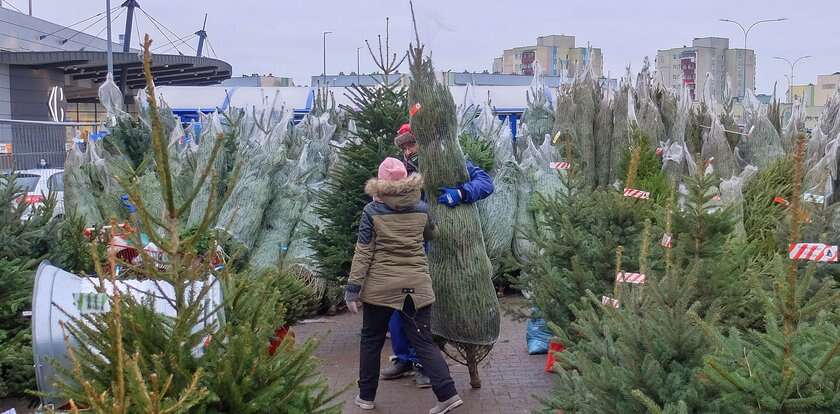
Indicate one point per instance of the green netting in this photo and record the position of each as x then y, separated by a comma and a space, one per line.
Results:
466, 309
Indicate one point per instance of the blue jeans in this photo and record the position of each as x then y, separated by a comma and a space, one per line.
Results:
399, 341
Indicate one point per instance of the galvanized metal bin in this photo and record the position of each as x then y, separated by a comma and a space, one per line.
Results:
53, 303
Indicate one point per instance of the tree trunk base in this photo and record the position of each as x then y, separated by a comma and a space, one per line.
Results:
472, 366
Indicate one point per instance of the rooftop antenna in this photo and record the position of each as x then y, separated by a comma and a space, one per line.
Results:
202, 34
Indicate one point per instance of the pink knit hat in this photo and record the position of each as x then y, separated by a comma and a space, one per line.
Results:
392, 169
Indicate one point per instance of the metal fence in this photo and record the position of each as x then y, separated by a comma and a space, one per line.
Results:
24, 144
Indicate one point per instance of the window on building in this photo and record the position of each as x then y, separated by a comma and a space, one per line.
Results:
829, 86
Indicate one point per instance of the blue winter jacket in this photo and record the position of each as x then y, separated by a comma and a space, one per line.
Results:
479, 186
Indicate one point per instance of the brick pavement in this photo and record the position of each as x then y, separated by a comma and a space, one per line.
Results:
510, 377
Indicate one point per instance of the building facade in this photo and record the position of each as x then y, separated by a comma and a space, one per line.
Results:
256, 79
50, 74
802, 93
825, 87
555, 54
687, 67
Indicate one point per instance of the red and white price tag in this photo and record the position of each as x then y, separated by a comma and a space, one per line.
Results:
606, 300
635, 278
813, 252
666, 241
642, 195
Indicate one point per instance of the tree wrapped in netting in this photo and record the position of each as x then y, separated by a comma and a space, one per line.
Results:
585, 94
498, 212
795, 124
604, 138
715, 147
677, 160
647, 113
564, 120
313, 167
620, 127
821, 156
466, 311
538, 119
259, 152
762, 144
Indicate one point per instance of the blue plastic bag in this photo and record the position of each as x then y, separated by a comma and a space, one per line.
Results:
537, 336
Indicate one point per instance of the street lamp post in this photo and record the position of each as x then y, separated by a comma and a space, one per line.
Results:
358, 66
325, 55
746, 31
792, 65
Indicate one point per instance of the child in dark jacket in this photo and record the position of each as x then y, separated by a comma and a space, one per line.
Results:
390, 273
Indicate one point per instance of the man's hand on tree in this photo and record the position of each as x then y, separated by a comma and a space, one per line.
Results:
450, 196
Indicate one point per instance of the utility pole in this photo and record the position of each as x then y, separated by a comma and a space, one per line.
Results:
746, 31
110, 47
792, 65
30, 7
129, 19
202, 34
324, 74
358, 66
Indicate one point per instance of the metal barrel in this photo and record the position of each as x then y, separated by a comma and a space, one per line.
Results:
53, 303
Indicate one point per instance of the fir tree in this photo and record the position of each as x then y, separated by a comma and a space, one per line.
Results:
793, 366
25, 238
379, 111
644, 356
132, 359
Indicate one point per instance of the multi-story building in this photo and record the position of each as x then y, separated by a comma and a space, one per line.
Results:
802, 93
688, 66
556, 56
826, 85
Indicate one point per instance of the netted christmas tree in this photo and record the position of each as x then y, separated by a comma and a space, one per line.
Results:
466, 311
377, 113
131, 359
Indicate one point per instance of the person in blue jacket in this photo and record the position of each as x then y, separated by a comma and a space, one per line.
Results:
479, 186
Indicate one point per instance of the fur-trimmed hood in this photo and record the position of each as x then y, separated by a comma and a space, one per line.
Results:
399, 194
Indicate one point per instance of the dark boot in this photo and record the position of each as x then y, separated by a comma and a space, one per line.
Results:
396, 370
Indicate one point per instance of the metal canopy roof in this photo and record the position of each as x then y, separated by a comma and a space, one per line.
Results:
166, 69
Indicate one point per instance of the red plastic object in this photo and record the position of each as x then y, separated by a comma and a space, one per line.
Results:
552, 348
404, 129
278, 337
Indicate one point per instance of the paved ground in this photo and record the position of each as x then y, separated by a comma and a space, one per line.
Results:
510, 377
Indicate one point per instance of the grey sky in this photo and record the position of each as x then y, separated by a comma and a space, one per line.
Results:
284, 37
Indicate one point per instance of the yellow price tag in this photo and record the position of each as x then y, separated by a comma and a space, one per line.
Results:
556, 138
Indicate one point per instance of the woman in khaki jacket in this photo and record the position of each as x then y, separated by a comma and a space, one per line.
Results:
390, 273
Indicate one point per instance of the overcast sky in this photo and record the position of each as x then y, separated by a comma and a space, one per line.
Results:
284, 37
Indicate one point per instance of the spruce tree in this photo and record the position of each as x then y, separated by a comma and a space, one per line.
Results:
132, 359
378, 112
793, 365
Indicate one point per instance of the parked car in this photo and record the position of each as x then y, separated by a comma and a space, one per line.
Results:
38, 184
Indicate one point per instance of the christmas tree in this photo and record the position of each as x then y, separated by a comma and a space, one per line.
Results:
466, 311
132, 359
793, 365
26, 234
377, 114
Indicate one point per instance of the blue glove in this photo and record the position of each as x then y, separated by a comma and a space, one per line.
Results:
450, 196
127, 204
